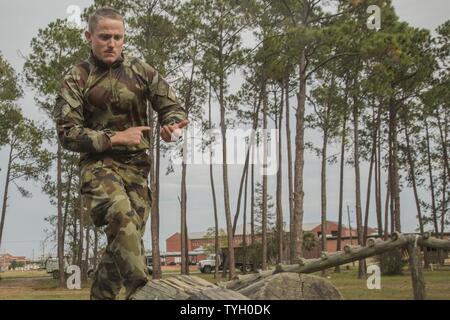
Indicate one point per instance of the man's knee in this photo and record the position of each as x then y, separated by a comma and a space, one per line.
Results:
120, 215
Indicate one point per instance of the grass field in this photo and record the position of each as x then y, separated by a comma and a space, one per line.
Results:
38, 285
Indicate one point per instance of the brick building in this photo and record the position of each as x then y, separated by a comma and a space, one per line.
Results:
199, 241
6, 259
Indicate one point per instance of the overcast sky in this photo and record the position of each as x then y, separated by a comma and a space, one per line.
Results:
24, 226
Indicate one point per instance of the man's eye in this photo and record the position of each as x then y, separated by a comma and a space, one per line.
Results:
118, 38
105, 37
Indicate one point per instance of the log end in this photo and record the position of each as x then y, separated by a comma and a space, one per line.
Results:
347, 248
395, 236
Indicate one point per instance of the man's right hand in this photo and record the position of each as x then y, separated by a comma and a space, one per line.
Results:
130, 137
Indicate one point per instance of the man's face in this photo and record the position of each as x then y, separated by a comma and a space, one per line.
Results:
107, 40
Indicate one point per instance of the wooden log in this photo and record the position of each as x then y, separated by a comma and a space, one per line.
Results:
373, 241
173, 288
434, 243
242, 281
348, 256
395, 236
217, 294
288, 286
348, 248
415, 267
283, 283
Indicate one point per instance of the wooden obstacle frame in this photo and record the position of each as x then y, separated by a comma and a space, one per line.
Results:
292, 282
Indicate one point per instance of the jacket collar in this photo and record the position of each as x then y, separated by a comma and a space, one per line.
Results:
100, 64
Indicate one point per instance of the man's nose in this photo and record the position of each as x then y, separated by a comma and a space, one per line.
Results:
111, 43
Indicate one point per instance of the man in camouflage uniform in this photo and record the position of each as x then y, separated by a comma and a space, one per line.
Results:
101, 112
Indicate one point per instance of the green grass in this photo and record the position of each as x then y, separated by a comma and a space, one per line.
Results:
437, 284
39, 286
24, 274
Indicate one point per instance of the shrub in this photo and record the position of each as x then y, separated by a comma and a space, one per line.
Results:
392, 262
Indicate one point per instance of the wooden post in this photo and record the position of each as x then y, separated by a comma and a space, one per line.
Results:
415, 266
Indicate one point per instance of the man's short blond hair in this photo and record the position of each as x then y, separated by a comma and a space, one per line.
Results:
104, 12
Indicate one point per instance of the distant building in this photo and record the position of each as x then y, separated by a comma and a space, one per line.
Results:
6, 259
201, 240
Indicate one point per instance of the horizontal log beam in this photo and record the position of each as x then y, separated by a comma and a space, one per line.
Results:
355, 253
434, 243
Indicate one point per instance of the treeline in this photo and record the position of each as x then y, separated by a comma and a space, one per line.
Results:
383, 95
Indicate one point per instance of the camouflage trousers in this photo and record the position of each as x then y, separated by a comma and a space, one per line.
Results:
117, 196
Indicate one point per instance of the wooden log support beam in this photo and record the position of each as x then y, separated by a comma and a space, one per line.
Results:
185, 288
270, 284
415, 267
284, 286
434, 243
354, 254
373, 241
348, 248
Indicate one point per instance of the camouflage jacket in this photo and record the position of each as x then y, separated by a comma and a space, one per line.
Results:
97, 100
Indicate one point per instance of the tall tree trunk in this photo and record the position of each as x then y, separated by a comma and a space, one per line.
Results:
264, 178
412, 175
297, 231
155, 146
289, 173
183, 224
378, 176
252, 213
75, 235
279, 182
386, 208
323, 187
323, 172
86, 255
369, 182
444, 201
95, 262
156, 254
361, 269
350, 225
213, 191
5, 193
395, 181
184, 233
244, 231
81, 238
67, 200
369, 188
256, 110
444, 143
430, 172
341, 186
226, 193
60, 217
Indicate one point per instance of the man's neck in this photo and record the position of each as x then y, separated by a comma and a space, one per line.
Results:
100, 63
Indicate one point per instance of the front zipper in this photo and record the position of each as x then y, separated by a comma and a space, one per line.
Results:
111, 85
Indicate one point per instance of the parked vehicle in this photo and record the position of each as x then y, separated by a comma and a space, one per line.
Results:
149, 260
52, 266
209, 264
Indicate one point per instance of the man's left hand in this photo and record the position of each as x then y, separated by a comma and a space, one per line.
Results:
172, 133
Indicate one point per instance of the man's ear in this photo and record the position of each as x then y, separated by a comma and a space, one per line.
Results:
88, 36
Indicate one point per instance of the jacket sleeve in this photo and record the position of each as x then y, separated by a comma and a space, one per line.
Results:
68, 114
162, 97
